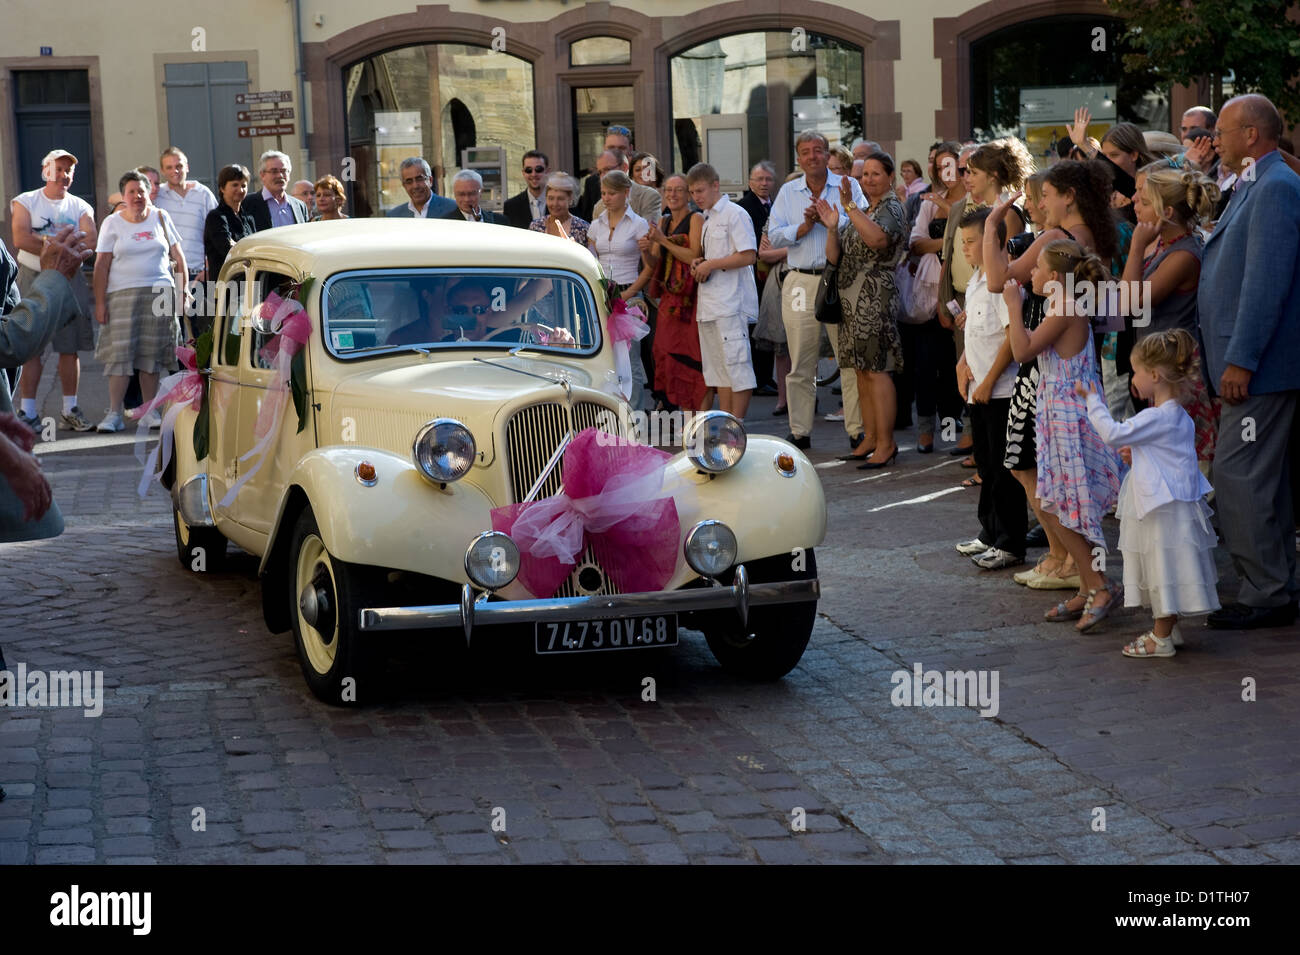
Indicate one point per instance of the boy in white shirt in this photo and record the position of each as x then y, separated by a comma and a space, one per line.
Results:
987, 376
727, 296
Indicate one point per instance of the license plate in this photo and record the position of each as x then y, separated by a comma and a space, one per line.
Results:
615, 633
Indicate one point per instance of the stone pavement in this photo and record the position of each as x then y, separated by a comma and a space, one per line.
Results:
205, 710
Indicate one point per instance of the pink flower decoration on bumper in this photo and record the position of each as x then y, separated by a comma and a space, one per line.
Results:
615, 500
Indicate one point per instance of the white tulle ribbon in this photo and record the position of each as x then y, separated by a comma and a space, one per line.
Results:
291, 327
626, 325
176, 392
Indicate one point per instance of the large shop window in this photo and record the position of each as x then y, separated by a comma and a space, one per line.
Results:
814, 80
1027, 79
435, 101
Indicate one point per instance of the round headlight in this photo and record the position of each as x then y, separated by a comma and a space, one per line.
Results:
492, 560
444, 450
710, 548
714, 441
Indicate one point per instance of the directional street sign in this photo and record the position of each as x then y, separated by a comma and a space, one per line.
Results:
268, 96
248, 132
263, 115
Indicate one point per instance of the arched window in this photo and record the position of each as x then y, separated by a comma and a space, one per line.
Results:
1027, 79
434, 100
600, 51
815, 80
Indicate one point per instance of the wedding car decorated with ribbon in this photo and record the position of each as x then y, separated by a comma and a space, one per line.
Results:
422, 427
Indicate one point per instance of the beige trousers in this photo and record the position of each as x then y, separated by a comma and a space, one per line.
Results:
803, 337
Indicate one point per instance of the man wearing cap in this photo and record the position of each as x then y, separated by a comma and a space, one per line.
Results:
38, 215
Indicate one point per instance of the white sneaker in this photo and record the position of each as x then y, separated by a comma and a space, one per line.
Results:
112, 422
997, 559
971, 548
837, 416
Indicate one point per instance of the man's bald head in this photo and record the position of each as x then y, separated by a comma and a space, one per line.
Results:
1255, 110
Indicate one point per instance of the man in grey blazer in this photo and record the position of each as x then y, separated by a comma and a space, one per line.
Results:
643, 200
1249, 305
273, 205
417, 180
467, 187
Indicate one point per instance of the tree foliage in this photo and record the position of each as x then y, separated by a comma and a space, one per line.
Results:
1184, 40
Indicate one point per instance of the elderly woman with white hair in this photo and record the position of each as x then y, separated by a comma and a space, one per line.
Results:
561, 190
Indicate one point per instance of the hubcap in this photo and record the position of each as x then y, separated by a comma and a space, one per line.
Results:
317, 605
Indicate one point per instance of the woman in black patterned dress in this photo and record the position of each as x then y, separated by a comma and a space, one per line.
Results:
872, 243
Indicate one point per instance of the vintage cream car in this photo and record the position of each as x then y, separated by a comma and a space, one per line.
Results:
446, 366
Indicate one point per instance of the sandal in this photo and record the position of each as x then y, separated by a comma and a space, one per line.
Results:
1025, 576
1063, 611
972, 481
1164, 646
1093, 615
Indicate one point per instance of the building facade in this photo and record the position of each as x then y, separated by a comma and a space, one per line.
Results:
361, 86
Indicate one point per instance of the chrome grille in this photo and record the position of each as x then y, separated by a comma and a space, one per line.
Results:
532, 435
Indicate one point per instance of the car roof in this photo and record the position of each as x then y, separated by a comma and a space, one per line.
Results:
323, 248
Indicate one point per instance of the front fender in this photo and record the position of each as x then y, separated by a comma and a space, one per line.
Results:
402, 523
769, 513
186, 464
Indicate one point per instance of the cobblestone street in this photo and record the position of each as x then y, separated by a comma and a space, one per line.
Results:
492, 758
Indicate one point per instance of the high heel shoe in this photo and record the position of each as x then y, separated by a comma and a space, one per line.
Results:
858, 457
875, 465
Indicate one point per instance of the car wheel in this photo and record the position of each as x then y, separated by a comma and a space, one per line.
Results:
200, 549
775, 636
325, 596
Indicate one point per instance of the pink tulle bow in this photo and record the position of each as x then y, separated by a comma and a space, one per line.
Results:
291, 327
627, 322
614, 499
176, 391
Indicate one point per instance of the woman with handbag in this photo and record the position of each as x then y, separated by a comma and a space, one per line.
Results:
867, 250
679, 374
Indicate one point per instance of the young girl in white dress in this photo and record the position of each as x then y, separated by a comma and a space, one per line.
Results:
1164, 531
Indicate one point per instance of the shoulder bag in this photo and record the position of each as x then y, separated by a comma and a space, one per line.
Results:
828, 308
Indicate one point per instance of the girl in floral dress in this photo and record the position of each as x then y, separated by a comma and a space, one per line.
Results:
1078, 475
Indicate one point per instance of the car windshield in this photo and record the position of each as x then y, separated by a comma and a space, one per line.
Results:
366, 313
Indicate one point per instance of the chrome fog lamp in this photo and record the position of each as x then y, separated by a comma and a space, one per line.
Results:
714, 441
444, 450
710, 548
492, 560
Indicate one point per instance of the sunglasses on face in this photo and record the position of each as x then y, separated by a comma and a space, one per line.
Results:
469, 309
533, 169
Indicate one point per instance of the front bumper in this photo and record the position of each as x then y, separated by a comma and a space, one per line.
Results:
475, 610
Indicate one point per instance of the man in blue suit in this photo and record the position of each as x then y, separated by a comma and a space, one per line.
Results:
1249, 304
417, 180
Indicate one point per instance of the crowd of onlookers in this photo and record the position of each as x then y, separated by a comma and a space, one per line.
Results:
965, 292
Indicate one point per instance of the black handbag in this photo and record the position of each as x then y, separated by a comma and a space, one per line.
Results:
827, 307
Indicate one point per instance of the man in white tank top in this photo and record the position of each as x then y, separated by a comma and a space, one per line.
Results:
36, 216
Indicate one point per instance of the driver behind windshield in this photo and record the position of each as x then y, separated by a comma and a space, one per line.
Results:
467, 313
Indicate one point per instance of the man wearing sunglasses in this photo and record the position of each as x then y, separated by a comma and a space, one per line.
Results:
530, 204
461, 317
